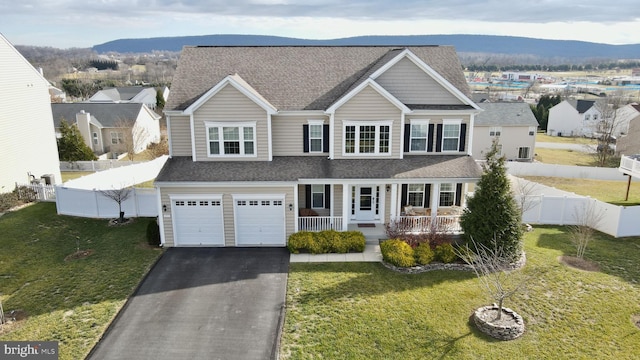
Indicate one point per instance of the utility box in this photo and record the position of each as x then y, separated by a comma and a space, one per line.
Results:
49, 179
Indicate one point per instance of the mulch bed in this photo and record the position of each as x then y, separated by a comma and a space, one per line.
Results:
578, 263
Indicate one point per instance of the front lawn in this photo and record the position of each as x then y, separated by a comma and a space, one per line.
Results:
365, 311
67, 300
542, 137
609, 191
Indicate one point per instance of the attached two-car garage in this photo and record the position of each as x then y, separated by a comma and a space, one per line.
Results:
258, 220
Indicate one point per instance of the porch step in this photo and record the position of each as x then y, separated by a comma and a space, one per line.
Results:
374, 239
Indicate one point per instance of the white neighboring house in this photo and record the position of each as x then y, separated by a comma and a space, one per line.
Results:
27, 141
574, 118
513, 124
111, 127
130, 94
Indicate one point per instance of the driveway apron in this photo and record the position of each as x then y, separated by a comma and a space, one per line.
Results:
203, 303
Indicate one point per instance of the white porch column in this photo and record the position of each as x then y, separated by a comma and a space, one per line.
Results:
393, 204
346, 206
333, 200
435, 199
295, 208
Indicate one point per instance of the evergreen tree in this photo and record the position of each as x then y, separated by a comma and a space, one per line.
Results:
492, 213
71, 146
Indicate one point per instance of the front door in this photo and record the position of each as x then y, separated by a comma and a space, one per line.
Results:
366, 203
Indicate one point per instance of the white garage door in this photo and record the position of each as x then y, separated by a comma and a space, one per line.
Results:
260, 222
198, 222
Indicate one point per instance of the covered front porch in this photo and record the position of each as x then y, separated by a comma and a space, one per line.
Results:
413, 206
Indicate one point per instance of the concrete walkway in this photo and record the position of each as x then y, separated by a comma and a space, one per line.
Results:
371, 254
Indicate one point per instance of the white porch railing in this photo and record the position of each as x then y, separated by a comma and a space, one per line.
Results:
37, 192
629, 164
422, 224
319, 223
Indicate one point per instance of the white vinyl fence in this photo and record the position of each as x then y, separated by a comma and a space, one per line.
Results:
97, 165
565, 171
93, 204
37, 192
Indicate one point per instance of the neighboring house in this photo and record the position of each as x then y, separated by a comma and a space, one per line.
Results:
574, 118
267, 141
111, 127
27, 141
513, 124
130, 94
629, 143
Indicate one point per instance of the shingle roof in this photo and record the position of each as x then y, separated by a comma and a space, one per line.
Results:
581, 105
294, 168
297, 77
505, 114
107, 114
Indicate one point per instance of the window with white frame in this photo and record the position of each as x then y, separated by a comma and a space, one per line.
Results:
447, 194
317, 196
532, 130
117, 138
316, 135
495, 131
95, 138
415, 195
418, 136
231, 139
523, 152
450, 136
373, 138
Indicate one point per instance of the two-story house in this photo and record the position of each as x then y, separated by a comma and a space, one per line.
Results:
267, 141
574, 118
27, 142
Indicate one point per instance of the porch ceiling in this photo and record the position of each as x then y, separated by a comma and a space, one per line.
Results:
294, 168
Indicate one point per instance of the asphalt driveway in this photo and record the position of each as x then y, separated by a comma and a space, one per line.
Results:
203, 303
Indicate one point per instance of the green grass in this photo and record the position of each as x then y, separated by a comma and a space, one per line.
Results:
68, 301
365, 311
564, 157
541, 137
70, 175
609, 191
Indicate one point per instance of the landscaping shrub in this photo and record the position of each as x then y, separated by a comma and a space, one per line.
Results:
8, 200
397, 252
153, 233
423, 254
445, 253
328, 241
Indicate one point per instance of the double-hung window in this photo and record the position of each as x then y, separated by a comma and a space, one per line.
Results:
316, 136
231, 139
372, 138
418, 137
523, 152
532, 130
451, 136
495, 131
317, 196
117, 138
447, 194
415, 193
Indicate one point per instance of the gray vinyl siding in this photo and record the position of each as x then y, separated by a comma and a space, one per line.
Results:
230, 105
287, 135
412, 85
180, 129
27, 139
227, 204
368, 105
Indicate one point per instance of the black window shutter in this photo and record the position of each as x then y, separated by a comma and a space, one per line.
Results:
463, 136
325, 138
439, 138
407, 137
430, 139
307, 197
327, 196
458, 194
305, 138
403, 198
427, 196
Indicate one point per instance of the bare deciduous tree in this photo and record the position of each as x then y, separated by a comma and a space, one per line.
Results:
586, 218
606, 128
132, 137
119, 196
494, 270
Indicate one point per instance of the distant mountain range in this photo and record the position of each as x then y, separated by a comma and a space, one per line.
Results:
509, 45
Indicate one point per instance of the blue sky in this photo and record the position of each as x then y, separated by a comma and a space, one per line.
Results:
67, 23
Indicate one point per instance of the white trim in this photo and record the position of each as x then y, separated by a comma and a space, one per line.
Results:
161, 216
470, 130
451, 122
346, 205
241, 140
193, 138
320, 123
169, 141
427, 69
369, 82
295, 208
324, 196
426, 144
357, 124
332, 140
278, 197
179, 197
239, 84
269, 139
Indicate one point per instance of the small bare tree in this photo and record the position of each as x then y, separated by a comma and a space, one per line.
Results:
119, 196
606, 128
586, 218
132, 137
495, 271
